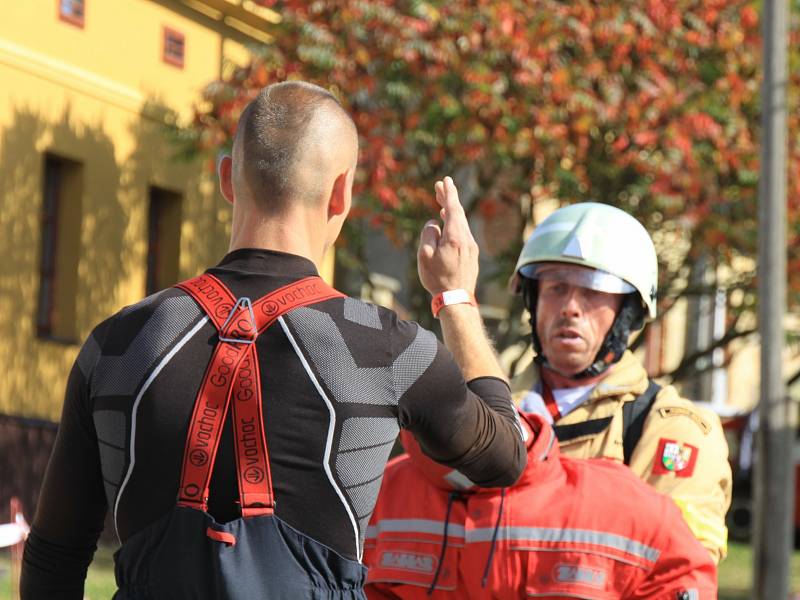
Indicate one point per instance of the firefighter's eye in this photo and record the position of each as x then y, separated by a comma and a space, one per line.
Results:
554, 288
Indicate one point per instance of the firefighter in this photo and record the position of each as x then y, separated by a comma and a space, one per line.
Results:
588, 276
568, 528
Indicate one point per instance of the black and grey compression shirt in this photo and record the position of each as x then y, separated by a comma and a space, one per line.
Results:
338, 378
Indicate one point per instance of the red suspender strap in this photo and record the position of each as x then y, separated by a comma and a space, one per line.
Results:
300, 293
255, 483
211, 405
252, 457
550, 401
212, 296
234, 372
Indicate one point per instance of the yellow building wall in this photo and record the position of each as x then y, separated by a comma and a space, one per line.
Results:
93, 95
120, 48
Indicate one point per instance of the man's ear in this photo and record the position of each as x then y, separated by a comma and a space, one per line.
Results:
225, 173
339, 201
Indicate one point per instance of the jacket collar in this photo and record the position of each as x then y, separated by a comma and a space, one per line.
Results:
544, 457
627, 376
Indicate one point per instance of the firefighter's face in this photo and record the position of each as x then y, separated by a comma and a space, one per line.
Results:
572, 322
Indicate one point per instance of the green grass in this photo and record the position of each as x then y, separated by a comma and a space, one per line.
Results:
100, 583
735, 574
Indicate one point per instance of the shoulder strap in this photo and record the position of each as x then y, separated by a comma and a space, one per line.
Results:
233, 376
634, 414
550, 401
227, 313
565, 433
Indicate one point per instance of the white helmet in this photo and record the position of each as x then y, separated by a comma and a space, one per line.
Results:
619, 256
603, 238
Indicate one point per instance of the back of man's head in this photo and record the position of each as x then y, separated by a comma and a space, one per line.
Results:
292, 140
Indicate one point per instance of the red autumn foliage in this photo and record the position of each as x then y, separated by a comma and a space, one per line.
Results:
652, 106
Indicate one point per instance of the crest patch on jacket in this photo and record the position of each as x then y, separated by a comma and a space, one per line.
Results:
674, 457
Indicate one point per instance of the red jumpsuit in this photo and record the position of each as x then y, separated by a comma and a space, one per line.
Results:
569, 528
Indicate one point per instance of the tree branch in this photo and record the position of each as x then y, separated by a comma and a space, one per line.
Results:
687, 365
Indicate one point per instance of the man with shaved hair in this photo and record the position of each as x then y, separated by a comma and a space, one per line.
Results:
237, 425
287, 138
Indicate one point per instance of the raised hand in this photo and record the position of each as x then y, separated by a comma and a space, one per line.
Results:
447, 258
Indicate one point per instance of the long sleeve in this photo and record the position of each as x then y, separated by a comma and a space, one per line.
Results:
72, 504
471, 427
683, 569
702, 488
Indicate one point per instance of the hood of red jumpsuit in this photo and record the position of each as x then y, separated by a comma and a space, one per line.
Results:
541, 445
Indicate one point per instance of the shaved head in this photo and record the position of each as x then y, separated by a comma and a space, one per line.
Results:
291, 142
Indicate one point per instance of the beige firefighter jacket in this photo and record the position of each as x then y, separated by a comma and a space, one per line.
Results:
682, 451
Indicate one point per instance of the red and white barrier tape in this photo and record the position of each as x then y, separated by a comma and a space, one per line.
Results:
14, 533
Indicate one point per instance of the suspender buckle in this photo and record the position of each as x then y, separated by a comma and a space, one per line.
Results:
186, 497
256, 504
242, 330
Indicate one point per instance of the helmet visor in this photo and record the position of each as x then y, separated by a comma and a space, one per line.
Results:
593, 279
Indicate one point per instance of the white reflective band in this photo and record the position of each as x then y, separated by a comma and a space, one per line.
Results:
593, 279
428, 526
574, 536
518, 534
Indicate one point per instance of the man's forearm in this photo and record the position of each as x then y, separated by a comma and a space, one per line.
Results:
465, 337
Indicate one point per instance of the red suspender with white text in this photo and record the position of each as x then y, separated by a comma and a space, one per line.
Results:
233, 372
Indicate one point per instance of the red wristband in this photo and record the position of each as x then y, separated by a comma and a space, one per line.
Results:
448, 297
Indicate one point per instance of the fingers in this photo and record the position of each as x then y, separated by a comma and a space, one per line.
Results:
439, 189
455, 226
429, 239
447, 196
448, 255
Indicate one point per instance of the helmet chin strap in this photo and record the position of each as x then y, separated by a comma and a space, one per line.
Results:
629, 318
